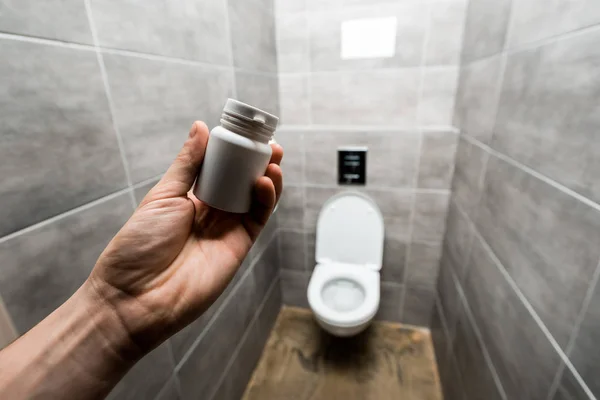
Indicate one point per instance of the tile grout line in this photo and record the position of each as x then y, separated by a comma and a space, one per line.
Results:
533, 172
532, 312
65, 214
111, 104
594, 285
238, 284
173, 374
485, 352
244, 337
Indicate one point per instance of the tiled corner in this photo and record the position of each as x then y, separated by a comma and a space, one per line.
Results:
423, 265
535, 20
292, 250
584, 356
441, 344
294, 286
390, 302
394, 260
381, 97
436, 165
438, 91
252, 36
147, 377
548, 112
537, 231
448, 293
292, 42
292, 164
446, 24
325, 37
429, 221
156, 103
258, 89
469, 170
190, 30
458, 239
418, 305
294, 100
391, 160
525, 360
569, 388
290, 212
58, 257
485, 30
63, 147
55, 19
477, 97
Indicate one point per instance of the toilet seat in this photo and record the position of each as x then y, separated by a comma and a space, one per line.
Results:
357, 274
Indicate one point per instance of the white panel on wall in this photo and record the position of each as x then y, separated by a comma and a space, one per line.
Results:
369, 38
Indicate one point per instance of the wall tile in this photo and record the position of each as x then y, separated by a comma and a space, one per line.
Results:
446, 24
469, 170
292, 164
147, 377
390, 302
169, 391
142, 190
311, 250
53, 19
549, 112
156, 103
283, 6
325, 37
192, 30
437, 96
391, 159
457, 240
538, 19
384, 97
292, 42
259, 90
200, 372
429, 221
477, 97
584, 354
292, 250
294, 99
436, 165
267, 316
418, 305
290, 213
252, 36
7, 328
62, 146
448, 293
453, 387
524, 358
441, 344
546, 239
570, 389
42, 268
478, 379
485, 29
423, 265
394, 260
294, 286
266, 270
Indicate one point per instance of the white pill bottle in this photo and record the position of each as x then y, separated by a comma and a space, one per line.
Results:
237, 154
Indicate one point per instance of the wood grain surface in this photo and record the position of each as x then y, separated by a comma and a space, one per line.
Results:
301, 361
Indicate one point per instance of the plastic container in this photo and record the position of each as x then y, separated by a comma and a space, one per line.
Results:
237, 154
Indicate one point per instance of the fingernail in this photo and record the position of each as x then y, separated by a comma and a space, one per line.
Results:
193, 131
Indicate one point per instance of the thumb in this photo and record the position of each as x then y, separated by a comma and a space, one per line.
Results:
180, 176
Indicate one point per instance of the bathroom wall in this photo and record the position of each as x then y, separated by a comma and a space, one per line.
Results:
96, 98
400, 107
518, 295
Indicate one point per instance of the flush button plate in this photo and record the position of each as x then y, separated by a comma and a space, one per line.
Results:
352, 165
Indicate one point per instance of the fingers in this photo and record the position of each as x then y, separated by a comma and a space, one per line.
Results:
274, 173
277, 154
180, 176
262, 205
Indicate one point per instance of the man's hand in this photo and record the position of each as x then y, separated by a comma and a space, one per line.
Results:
176, 255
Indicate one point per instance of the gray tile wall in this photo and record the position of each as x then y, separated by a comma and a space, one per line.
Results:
520, 257
400, 107
97, 97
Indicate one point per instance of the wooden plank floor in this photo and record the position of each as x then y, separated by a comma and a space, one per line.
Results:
301, 361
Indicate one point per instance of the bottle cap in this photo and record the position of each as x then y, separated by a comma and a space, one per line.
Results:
251, 114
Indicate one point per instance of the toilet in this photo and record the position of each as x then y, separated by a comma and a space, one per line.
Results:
344, 288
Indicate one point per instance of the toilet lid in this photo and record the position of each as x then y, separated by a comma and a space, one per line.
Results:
350, 231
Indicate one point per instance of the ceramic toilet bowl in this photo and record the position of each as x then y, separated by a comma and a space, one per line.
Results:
343, 297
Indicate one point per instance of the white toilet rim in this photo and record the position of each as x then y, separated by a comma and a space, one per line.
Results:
364, 313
